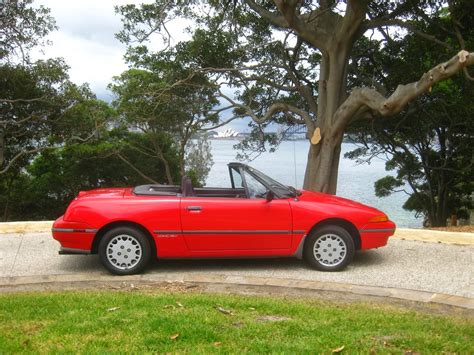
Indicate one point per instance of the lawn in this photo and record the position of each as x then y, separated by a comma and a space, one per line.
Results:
138, 321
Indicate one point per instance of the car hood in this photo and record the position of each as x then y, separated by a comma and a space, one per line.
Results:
333, 200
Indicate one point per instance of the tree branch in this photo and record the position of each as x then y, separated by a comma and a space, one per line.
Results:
272, 110
42, 98
377, 23
126, 161
220, 124
274, 19
396, 102
41, 149
355, 14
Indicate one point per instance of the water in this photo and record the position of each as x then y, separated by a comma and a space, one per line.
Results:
288, 164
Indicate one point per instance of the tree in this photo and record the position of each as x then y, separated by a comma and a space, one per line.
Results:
22, 28
199, 160
34, 101
429, 145
150, 100
290, 61
34, 97
45, 188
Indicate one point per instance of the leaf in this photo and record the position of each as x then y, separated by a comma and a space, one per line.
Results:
112, 309
217, 343
174, 336
180, 305
252, 308
225, 311
338, 350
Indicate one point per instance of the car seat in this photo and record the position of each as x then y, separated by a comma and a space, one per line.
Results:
187, 187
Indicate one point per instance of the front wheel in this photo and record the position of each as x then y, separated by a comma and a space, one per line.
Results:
329, 248
125, 251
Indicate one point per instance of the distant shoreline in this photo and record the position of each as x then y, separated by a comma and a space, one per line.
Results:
241, 138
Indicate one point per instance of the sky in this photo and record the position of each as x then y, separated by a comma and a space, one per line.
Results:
86, 40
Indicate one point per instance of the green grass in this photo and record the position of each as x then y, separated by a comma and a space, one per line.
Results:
144, 322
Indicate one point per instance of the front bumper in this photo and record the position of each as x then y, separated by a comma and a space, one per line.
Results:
375, 235
74, 237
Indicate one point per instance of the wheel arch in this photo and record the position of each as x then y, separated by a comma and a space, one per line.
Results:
101, 232
348, 226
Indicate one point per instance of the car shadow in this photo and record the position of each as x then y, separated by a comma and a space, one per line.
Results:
368, 258
82, 263
92, 264
203, 265
361, 259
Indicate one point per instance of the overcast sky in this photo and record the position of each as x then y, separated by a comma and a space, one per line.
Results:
86, 40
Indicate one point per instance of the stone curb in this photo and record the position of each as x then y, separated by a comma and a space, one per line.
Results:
427, 235
26, 227
16, 282
401, 233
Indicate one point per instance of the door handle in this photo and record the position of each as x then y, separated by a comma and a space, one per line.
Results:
194, 208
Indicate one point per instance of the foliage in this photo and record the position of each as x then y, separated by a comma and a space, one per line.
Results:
55, 177
429, 145
56, 138
292, 62
152, 321
149, 100
198, 160
38, 103
22, 28
37, 99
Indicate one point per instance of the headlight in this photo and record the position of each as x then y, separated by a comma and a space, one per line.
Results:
380, 218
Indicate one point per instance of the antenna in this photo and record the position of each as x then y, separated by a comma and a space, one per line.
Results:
292, 134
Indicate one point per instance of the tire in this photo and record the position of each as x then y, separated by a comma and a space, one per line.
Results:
329, 248
125, 251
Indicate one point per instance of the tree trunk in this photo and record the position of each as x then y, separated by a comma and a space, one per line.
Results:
440, 215
167, 170
6, 209
156, 145
182, 154
2, 148
323, 165
323, 158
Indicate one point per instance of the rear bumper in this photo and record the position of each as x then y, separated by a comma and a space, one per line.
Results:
375, 235
74, 237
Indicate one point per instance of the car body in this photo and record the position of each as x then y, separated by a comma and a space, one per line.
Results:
255, 217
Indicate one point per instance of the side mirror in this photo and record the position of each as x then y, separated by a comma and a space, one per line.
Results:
270, 196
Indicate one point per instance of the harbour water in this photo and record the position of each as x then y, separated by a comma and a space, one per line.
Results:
288, 164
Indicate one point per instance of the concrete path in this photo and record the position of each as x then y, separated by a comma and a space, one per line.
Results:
401, 233
410, 265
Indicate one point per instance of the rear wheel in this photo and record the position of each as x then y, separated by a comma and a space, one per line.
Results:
125, 251
329, 248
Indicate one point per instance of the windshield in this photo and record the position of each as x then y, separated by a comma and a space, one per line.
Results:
280, 189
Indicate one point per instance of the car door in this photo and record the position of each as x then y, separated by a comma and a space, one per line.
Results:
237, 226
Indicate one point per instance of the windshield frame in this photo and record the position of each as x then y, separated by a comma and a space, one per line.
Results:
279, 190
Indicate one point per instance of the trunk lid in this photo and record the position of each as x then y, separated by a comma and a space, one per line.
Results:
103, 193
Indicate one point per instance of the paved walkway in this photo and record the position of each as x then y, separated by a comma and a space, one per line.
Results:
409, 265
401, 233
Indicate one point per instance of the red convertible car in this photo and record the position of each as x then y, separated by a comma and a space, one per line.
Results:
256, 217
